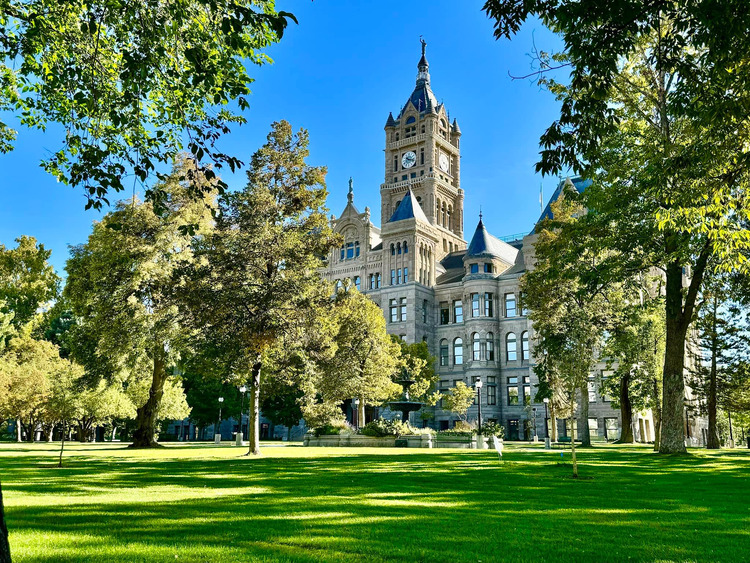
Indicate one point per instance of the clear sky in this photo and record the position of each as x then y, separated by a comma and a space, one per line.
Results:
338, 74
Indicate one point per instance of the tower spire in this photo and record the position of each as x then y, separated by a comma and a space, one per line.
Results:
350, 195
423, 76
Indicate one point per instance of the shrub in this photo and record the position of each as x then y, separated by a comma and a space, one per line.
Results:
333, 429
492, 429
381, 427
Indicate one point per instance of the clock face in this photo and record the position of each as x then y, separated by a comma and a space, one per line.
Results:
444, 163
409, 159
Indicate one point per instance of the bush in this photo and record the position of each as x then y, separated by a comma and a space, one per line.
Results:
334, 428
492, 429
381, 427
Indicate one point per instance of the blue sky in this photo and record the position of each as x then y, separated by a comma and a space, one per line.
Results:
338, 74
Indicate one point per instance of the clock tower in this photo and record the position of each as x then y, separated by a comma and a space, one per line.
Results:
422, 155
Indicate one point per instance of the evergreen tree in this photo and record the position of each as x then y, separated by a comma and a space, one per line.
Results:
257, 277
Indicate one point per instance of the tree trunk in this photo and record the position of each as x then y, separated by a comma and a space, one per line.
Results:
146, 416
626, 411
573, 433
288, 433
18, 430
4, 546
361, 413
713, 435
583, 423
62, 446
657, 416
552, 424
253, 422
673, 393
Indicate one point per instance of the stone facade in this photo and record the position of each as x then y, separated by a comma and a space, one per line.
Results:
463, 300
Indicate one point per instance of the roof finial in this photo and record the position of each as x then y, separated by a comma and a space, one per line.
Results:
424, 44
480, 213
350, 196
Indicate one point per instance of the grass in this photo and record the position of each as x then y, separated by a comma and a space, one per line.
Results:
208, 503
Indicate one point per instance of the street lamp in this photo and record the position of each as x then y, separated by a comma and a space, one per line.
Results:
243, 390
536, 436
355, 414
546, 424
218, 426
478, 385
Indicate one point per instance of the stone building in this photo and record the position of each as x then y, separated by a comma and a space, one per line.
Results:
462, 299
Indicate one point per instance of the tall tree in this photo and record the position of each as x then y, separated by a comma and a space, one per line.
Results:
27, 280
459, 399
131, 83
127, 283
654, 82
570, 305
258, 274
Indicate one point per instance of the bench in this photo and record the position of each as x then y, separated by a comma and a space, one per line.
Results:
562, 441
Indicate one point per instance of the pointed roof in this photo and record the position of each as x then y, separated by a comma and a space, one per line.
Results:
409, 208
456, 129
422, 97
484, 244
578, 183
390, 122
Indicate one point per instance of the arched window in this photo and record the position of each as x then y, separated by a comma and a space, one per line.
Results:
397, 136
437, 212
476, 353
458, 352
443, 352
410, 120
356, 249
510, 347
525, 345
490, 347
343, 252
406, 248
378, 280
450, 212
371, 283
398, 248
393, 250
422, 128
443, 215
338, 285
357, 283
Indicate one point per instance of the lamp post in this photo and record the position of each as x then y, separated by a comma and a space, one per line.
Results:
547, 444
217, 434
240, 434
478, 385
536, 436
355, 414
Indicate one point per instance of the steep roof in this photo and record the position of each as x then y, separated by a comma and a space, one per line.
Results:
578, 183
484, 244
409, 208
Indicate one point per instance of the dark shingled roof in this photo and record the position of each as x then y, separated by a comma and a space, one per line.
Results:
484, 244
409, 208
578, 183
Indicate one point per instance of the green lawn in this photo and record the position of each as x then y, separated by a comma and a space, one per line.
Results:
208, 503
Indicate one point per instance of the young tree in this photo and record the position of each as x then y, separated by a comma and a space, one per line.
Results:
419, 365
366, 360
131, 82
570, 306
635, 73
126, 285
63, 404
27, 280
459, 400
258, 274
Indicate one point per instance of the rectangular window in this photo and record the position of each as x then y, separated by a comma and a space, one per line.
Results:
488, 268
393, 277
490, 348
444, 384
510, 305
398, 276
395, 164
349, 250
458, 354
512, 395
524, 309
377, 280
526, 395
474, 268
403, 309
488, 309
372, 281
458, 312
444, 357
445, 316
474, 304
513, 380
343, 253
592, 392
394, 311
356, 250
357, 283
455, 382
491, 394
425, 308
511, 353
526, 379
406, 275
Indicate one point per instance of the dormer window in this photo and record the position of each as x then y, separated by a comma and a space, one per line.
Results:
474, 268
488, 268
